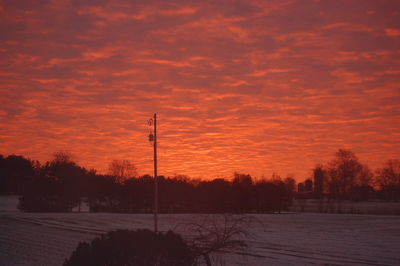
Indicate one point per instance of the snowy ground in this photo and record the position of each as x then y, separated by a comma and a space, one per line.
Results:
346, 206
275, 239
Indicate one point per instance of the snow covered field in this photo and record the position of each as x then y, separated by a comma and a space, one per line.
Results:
276, 239
346, 206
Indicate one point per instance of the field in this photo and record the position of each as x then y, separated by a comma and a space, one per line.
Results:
275, 239
346, 206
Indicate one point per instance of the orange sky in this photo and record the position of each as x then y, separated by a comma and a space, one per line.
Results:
249, 86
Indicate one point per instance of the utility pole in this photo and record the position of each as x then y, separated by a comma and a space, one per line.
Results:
153, 138
155, 176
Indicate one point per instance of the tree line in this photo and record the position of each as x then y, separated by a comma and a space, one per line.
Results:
62, 185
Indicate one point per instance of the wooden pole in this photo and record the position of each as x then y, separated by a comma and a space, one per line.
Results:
155, 177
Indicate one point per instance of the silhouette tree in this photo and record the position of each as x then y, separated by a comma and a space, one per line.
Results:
265, 193
215, 196
176, 194
389, 174
3, 177
62, 157
15, 172
104, 194
343, 172
122, 169
216, 234
57, 186
69, 175
242, 186
362, 188
388, 178
365, 176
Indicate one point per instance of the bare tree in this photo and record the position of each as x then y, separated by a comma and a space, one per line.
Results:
122, 170
343, 171
62, 157
389, 174
216, 234
275, 178
365, 176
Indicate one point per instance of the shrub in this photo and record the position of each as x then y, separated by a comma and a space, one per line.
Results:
141, 247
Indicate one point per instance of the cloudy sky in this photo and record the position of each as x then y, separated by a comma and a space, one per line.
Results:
253, 86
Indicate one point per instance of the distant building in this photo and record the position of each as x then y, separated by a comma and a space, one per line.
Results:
318, 181
308, 185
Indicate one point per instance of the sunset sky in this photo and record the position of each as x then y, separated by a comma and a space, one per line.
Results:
250, 86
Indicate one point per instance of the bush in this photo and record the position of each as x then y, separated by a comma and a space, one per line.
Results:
141, 247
